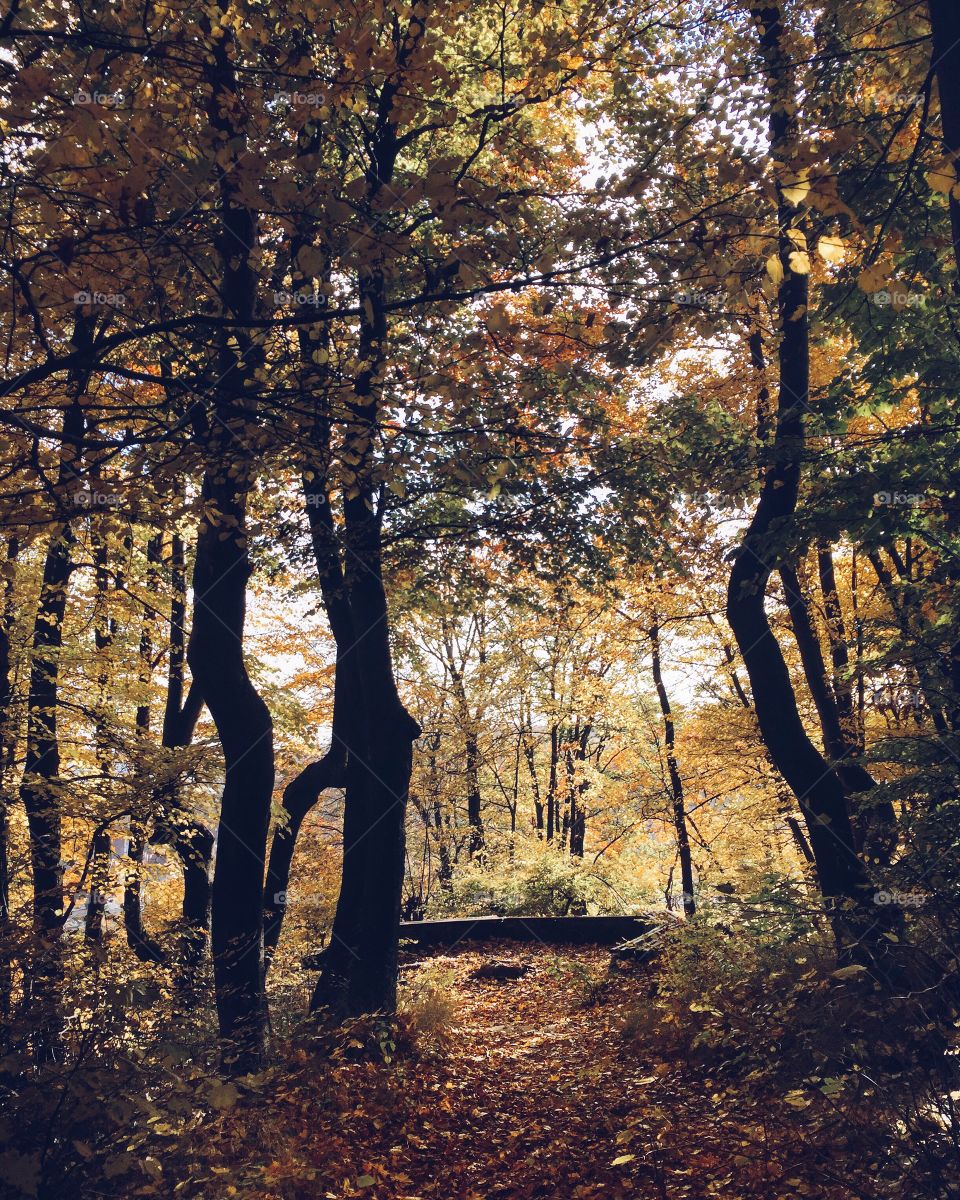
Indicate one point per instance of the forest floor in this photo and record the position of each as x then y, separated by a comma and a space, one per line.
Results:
543, 1086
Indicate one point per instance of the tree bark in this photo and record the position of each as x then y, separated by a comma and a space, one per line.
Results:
858, 924
360, 974
146, 948
945, 27
303, 792
221, 570
471, 748
7, 752
676, 780
173, 825
104, 631
41, 775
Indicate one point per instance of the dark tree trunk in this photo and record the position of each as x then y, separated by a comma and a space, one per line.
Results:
858, 924
173, 825
786, 800
7, 751
474, 810
471, 747
945, 26
676, 780
104, 631
552, 782
360, 967
246, 735
221, 570
41, 776
378, 778
839, 652
138, 939
874, 824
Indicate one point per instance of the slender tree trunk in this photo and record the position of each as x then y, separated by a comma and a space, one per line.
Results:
874, 823
676, 780
839, 653
173, 825
104, 630
529, 757
471, 747
552, 781
146, 948
40, 785
7, 751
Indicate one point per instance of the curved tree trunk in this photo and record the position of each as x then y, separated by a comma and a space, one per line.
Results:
221, 570
858, 924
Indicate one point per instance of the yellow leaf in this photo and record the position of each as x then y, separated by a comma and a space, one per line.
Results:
832, 248
800, 262
775, 268
795, 191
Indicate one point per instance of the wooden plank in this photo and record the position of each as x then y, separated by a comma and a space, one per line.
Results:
602, 931
551, 931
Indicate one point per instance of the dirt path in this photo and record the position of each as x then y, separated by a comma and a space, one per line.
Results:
534, 1092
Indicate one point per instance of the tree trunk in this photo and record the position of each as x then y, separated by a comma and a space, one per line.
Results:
139, 941
173, 825
221, 570
874, 824
945, 26
7, 752
676, 780
858, 924
471, 747
360, 968
104, 631
41, 775
245, 730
